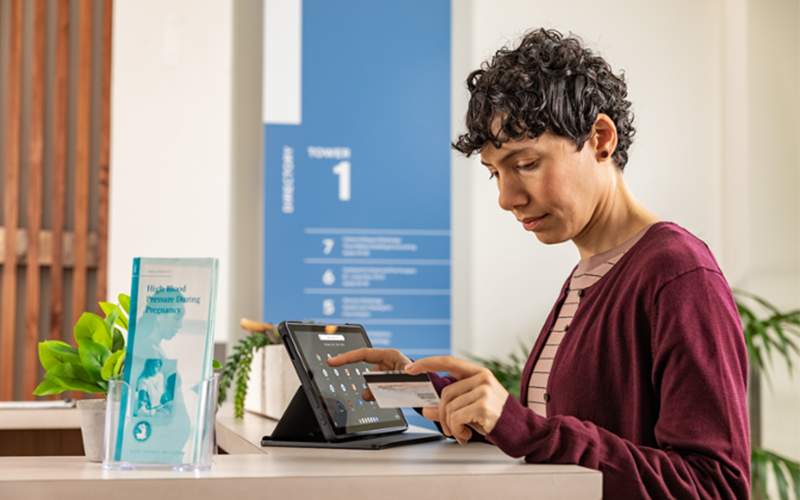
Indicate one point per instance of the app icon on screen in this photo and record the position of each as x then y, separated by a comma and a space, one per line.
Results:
325, 372
319, 358
329, 356
360, 402
336, 372
332, 389
358, 372
354, 387
363, 385
350, 403
344, 388
347, 372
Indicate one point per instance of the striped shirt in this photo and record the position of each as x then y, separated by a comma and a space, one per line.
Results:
588, 272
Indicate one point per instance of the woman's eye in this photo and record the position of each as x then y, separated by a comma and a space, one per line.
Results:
493, 175
529, 166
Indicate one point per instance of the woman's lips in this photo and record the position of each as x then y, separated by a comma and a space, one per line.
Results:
531, 223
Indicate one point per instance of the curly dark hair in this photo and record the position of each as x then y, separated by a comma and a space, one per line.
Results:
549, 82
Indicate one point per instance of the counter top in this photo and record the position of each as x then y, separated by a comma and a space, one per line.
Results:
27, 419
444, 469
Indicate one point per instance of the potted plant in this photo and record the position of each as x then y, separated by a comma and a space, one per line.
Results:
767, 330
99, 356
237, 367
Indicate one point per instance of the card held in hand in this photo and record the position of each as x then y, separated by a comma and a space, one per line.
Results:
398, 389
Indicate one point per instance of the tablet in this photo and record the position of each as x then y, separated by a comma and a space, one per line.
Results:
335, 394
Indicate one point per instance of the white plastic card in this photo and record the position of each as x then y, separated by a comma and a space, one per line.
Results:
398, 389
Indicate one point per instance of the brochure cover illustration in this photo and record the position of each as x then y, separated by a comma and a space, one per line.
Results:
170, 349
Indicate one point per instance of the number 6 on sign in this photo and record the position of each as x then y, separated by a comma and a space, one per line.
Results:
342, 169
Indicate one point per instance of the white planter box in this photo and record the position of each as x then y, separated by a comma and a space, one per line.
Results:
273, 382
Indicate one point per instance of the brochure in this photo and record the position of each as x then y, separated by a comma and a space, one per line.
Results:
170, 351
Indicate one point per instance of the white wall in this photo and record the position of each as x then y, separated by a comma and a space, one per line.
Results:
675, 167
774, 73
774, 109
171, 168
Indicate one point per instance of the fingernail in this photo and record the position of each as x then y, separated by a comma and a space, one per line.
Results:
409, 366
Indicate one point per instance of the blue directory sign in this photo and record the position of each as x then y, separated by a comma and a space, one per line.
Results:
357, 205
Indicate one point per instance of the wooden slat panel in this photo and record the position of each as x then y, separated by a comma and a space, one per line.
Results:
35, 155
59, 167
105, 154
11, 200
82, 158
46, 244
83, 132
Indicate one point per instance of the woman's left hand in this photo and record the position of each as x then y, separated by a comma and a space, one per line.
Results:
474, 402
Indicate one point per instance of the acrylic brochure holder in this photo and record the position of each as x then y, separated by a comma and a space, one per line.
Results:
201, 446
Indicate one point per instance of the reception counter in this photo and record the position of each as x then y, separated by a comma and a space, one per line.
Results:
442, 469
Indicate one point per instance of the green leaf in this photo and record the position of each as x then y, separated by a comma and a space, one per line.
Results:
125, 303
780, 480
107, 307
758, 474
764, 303
55, 352
216, 365
48, 387
87, 325
111, 364
794, 471
118, 367
112, 309
119, 341
93, 358
73, 377
111, 317
92, 327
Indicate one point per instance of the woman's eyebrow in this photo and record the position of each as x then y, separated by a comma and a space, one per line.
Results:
506, 157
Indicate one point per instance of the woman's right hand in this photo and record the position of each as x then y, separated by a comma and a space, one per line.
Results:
382, 359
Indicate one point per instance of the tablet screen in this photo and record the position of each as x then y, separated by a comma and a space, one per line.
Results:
340, 389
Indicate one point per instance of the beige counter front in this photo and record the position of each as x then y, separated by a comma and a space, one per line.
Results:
442, 470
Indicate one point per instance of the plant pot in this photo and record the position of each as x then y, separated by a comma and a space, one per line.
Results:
92, 413
273, 382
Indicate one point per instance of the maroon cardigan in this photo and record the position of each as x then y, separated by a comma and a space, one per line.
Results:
649, 386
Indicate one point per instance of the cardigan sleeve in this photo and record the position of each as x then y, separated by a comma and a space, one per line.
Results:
699, 374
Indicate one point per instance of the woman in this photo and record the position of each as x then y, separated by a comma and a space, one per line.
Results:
150, 388
640, 370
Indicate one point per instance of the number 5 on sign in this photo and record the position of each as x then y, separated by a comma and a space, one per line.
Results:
342, 169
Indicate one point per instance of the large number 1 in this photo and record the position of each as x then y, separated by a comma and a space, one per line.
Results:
342, 169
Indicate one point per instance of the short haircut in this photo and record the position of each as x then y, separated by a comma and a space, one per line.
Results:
548, 82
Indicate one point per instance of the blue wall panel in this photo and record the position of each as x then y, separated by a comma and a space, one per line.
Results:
373, 248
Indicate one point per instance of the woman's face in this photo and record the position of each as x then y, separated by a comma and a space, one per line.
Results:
552, 188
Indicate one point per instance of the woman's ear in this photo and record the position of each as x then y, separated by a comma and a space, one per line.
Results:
604, 139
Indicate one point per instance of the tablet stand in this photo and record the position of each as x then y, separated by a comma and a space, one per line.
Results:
299, 428
298, 422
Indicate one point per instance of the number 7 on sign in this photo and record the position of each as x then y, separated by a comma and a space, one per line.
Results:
328, 242
342, 169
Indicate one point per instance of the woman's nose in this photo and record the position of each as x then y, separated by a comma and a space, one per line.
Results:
511, 194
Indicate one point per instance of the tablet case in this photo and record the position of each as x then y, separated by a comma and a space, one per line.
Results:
298, 428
